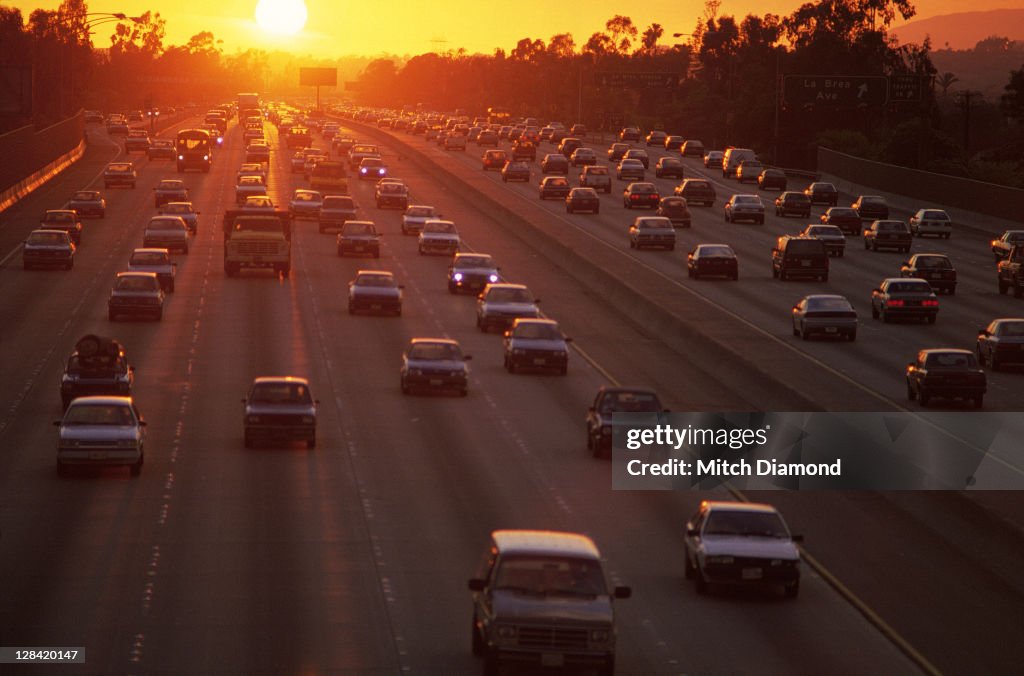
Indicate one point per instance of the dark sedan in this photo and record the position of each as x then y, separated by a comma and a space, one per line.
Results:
771, 179
871, 207
937, 269
553, 187
641, 195
676, 210
88, 203
669, 167
515, 171
822, 193
712, 260
948, 373
903, 297
697, 191
1001, 343
793, 203
582, 199
845, 218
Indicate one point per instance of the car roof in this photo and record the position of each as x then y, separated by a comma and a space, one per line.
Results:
280, 379
945, 350
506, 285
532, 320
732, 506
103, 399
639, 390
433, 341
386, 273
133, 273
544, 542
149, 249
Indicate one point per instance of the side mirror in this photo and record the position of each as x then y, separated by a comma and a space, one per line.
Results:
477, 585
568, 339
401, 286
983, 332
467, 357
797, 538
692, 532
316, 401
142, 423
244, 400
623, 592
910, 364
56, 423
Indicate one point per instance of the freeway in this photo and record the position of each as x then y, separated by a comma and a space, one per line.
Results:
353, 557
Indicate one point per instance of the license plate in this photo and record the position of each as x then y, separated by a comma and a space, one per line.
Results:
552, 660
436, 381
375, 306
97, 455
752, 573
830, 329
540, 360
358, 247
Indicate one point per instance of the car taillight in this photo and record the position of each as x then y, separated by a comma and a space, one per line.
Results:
896, 303
930, 303
634, 197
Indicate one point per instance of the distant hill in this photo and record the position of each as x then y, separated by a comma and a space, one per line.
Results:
964, 29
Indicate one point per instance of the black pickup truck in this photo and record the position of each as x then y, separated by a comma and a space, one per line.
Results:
1010, 271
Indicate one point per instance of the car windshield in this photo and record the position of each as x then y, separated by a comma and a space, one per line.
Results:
828, 304
386, 281
872, 199
549, 575
653, 223
338, 203
445, 228
673, 202
819, 230
823, 187
148, 258
47, 238
910, 287
893, 225
435, 352
951, 360
99, 414
597, 171
120, 167
506, 295
59, 217
133, 283
935, 215
842, 212
933, 262
177, 209
351, 228
556, 181
305, 197
715, 252
645, 188
796, 197
419, 212
537, 331
583, 192
280, 393
166, 224
746, 199
250, 180
170, 185
670, 162
631, 163
393, 188
1012, 329
630, 402
85, 196
729, 522
474, 262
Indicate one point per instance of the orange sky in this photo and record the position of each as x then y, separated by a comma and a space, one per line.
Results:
416, 26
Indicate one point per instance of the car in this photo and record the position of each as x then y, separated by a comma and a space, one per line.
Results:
375, 291
87, 203
183, 210
487, 137
888, 235
947, 373
415, 216
297, 161
741, 544
749, 171
257, 203
733, 157
793, 203
342, 144
578, 130
48, 247
536, 344
312, 159
904, 297
582, 199
611, 400
524, 150
169, 190
583, 157
119, 174
931, 222
358, 237
616, 151
553, 187
799, 256
166, 232
454, 142
871, 207
335, 210
136, 140
494, 159
771, 178
257, 151
638, 154
1010, 272
93, 117
1000, 247
537, 583
669, 167
630, 170
156, 260
712, 260
298, 137
937, 269
391, 195
674, 142
305, 204
554, 164
1001, 343
629, 134
596, 177
697, 191
713, 159
652, 231
500, 303
372, 168
100, 431
641, 194
569, 145
438, 236
161, 149
695, 148
279, 408
832, 236
117, 124
134, 294
98, 366
742, 207
656, 138
471, 271
821, 192
515, 170
845, 218
824, 314
434, 364
62, 219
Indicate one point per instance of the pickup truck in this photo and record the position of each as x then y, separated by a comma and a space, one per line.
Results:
1010, 271
257, 240
947, 373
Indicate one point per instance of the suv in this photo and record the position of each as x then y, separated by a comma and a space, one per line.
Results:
542, 598
796, 256
596, 177
280, 408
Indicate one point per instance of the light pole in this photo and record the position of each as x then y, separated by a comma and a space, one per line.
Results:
86, 26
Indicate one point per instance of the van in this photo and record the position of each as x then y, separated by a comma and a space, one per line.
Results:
541, 599
732, 158
799, 256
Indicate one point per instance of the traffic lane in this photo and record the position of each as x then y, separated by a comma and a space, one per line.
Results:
565, 451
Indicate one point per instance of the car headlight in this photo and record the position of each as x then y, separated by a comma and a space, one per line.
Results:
206, 157
181, 157
252, 419
600, 635
458, 276
506, 631
493, 278
308, 420
723, 560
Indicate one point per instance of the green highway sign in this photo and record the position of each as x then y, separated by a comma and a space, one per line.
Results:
835, 91
619, 80
903, 88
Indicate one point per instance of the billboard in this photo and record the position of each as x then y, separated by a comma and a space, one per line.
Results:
318, 77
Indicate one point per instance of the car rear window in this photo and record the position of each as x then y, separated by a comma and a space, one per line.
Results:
804, 246
280, 393
955, 360
933, 262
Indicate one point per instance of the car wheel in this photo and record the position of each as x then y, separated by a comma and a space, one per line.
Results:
884, 316
924, 397
688, 571
796, 329
874, 311
793, 589
351, 309
405, 388
491, 664
170, 287
978, 400
136, 468
479, 647
996, 364
852, 335
1018, 289
951, 290
911, 394
700, 582
866, 245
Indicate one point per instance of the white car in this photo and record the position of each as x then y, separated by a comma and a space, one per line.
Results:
100, 430
415, 216
652, 231
249, 186
931, 222
439, 236
501, 303
166, 232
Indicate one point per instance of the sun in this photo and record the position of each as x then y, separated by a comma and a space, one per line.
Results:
284, 17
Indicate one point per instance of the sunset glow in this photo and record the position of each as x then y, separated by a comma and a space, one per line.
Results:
284, 17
